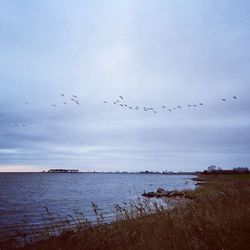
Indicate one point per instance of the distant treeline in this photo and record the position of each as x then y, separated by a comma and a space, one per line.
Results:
215, 170
63, 171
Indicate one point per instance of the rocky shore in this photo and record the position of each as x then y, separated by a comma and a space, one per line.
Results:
160, 193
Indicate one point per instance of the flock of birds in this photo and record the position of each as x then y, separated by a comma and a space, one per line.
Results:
120, 101
72, 98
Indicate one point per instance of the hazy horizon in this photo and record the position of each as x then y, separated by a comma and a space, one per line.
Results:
153, 54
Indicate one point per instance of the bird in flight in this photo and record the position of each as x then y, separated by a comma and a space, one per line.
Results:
223, 99
26, 103
179, 107
65, 103
62, 94
189, 105
75, 96
169, 110
163, 106
155, 112
105, 102
234, 97
53, 105
194, 105
121, 97
201, 104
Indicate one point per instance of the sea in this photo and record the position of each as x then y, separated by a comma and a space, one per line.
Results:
31, 198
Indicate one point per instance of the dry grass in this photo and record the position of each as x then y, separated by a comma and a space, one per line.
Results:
217, 218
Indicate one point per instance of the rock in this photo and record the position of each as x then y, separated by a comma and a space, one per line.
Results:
149, 194
200, 183
160, 190
175, 193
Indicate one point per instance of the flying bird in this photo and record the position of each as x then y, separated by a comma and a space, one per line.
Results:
130, 107
75, 96
163, 107
169, 110
105, 102
189, 105
179, 107
201, 104
234, 97
121, 97
65, 103
26, 103
114, 102
194, 105
223, 99
53, 105
62, 95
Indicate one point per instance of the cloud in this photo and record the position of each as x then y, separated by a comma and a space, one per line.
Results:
151, 53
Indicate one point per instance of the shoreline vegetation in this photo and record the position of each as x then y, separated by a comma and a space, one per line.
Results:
216, 215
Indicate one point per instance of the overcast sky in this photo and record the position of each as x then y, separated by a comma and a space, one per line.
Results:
152, 53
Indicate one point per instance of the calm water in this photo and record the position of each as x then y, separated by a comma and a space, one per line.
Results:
24, 196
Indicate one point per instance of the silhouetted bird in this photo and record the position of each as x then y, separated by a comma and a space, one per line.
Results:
223, 99
194, 105
73, 99
234, 97
201, 104
53, 105
189, 105
75, 96
155, 112
121, 97
179, 107
163, 107
105, 102
169, 110
130, 107
114, 102
121, 105
62, 95
65, 103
